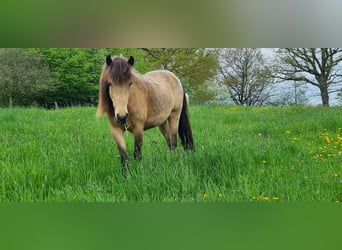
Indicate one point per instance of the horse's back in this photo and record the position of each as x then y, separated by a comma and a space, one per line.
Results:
165, 79
165, 95
165, 85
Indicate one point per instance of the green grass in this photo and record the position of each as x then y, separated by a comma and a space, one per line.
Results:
242, 154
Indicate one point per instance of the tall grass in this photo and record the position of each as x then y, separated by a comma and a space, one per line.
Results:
242, 154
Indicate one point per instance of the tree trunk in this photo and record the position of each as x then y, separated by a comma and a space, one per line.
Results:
324, 95
10, 102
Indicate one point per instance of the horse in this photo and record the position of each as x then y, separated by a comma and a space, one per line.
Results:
134, 102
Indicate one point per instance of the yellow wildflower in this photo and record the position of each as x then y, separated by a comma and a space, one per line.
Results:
265, 198
327, 139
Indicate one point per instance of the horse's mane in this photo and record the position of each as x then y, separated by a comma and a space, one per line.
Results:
120, 70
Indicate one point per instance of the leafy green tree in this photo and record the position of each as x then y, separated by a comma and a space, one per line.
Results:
24, 76
193, 66
74, 74
77, 72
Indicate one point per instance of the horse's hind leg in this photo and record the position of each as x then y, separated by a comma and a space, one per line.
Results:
173, 126
164, 129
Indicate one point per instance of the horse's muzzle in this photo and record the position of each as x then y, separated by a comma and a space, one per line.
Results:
121, 119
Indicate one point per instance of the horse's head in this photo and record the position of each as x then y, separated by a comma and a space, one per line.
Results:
119, 79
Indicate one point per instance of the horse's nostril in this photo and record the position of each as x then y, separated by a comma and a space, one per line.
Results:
121, 119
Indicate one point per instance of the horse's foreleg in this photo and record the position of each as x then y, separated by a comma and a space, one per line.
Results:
120, 141
138, 141
124, 160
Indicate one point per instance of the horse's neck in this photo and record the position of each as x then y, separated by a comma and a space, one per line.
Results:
140, 83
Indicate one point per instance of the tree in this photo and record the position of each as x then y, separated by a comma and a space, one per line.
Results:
24, 76
193, 66
339, 97
244, 73
299, 90
74, 71
77, 72
291, 94
316, 66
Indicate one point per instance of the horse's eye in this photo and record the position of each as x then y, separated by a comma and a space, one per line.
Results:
130, 83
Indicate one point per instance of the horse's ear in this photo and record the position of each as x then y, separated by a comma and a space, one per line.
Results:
109, 60
131, 60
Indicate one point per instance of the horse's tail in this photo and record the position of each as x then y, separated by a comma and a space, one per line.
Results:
184, 127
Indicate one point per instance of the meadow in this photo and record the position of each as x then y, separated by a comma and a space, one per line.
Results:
243, 154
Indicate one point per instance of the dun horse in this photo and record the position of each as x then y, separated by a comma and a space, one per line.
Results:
136, 102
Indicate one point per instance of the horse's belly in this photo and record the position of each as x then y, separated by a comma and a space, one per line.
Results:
155, 121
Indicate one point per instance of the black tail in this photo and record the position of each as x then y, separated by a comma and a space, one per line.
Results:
184, 128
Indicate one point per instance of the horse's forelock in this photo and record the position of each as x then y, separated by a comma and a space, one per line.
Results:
120, 70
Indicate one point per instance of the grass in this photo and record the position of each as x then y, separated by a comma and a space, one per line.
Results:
264, 154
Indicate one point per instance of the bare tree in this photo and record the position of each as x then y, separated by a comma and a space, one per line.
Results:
244, 73
316, 66
291, 94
